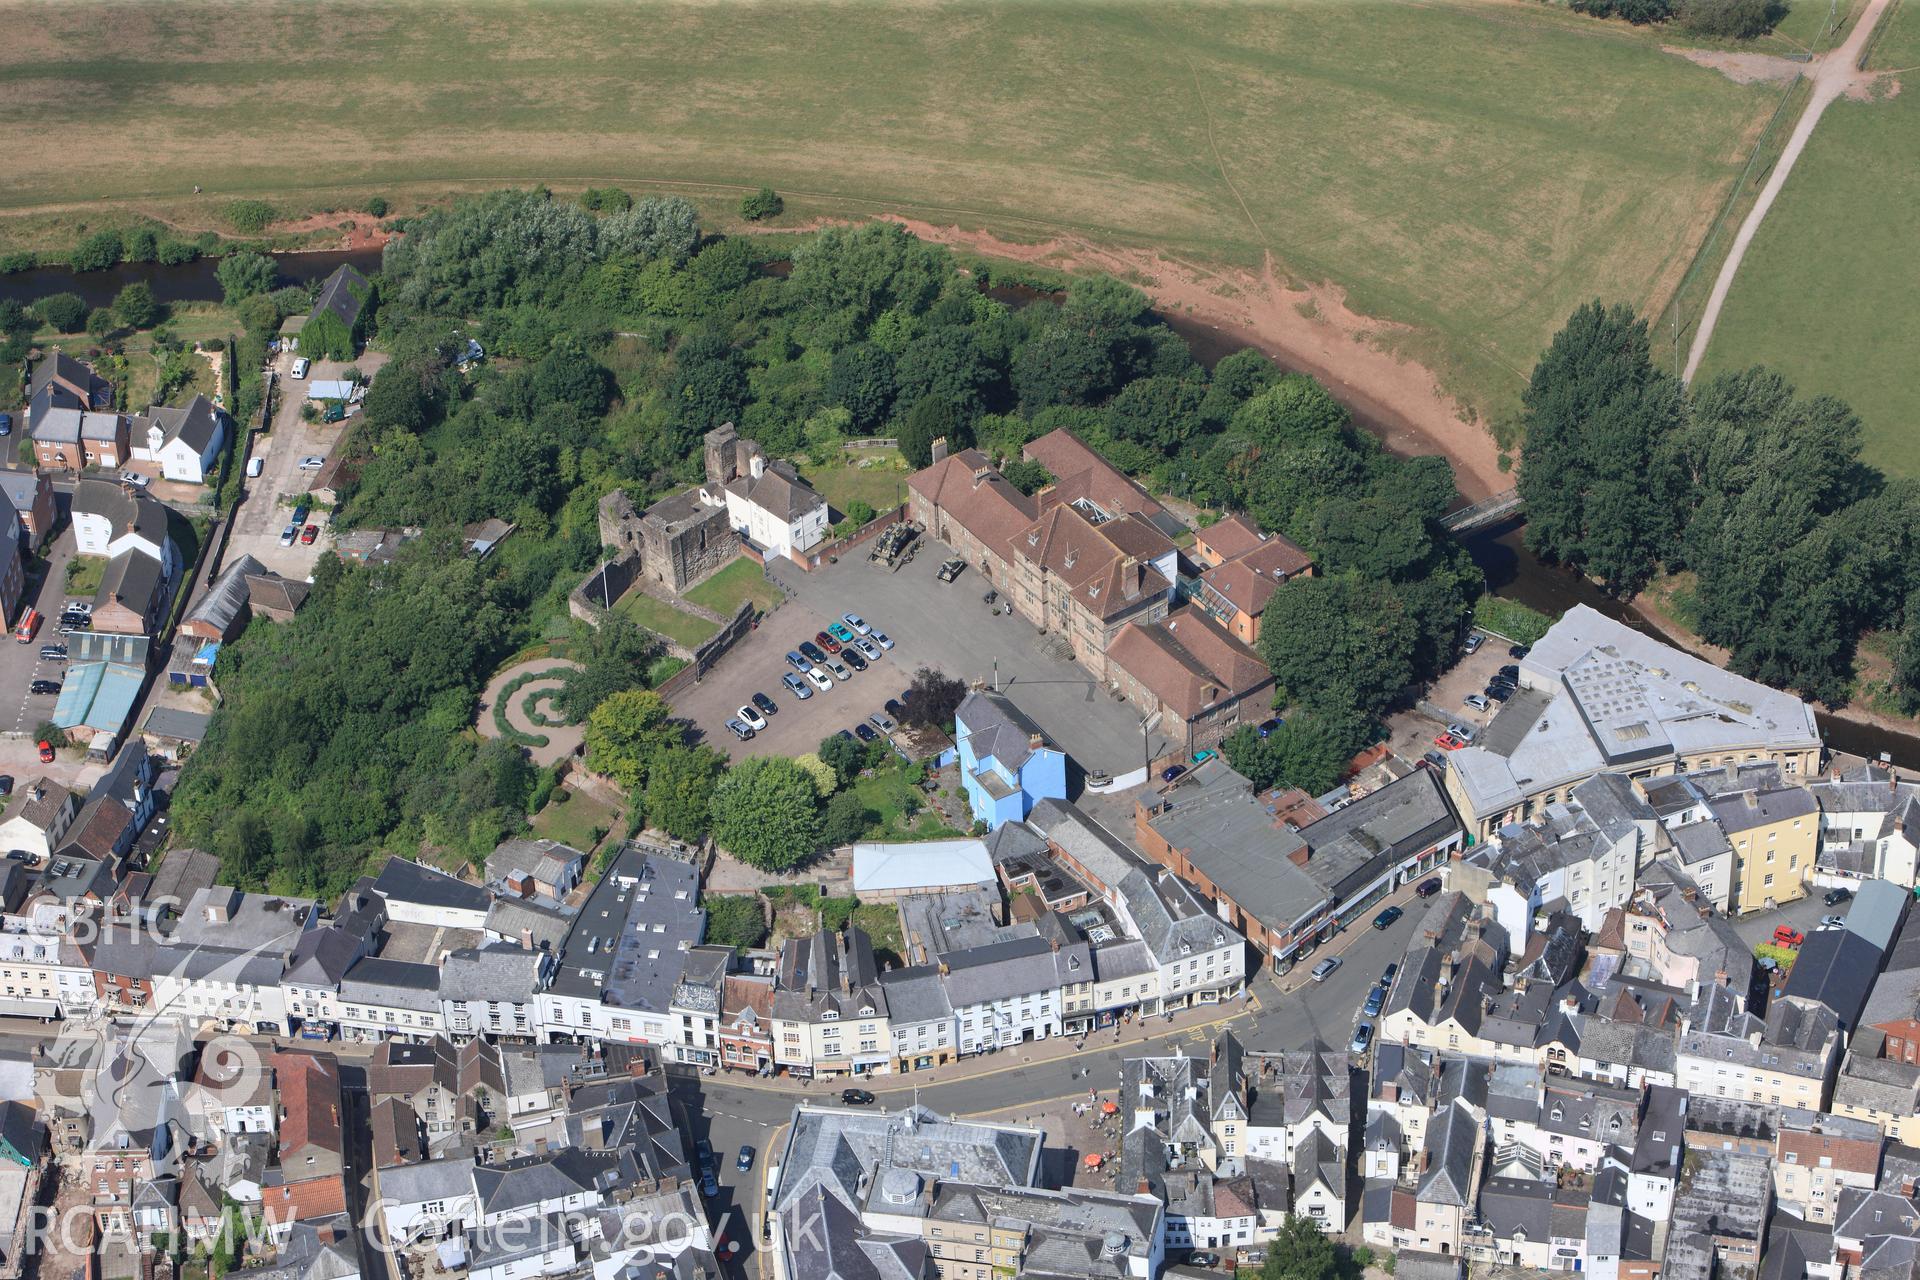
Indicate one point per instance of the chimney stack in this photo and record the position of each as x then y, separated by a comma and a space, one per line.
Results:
940, 449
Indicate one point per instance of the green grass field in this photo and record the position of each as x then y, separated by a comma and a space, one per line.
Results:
575, 819
741, 580
881, 484
1826, 293
662, 618
1471, 169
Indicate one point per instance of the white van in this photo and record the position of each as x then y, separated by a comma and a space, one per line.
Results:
300, 368
255, 465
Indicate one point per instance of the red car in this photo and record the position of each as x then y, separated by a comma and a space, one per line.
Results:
1788, 936
308, 534
826, 642
1447, 742
46, 751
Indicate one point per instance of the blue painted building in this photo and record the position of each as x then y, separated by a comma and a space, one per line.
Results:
1006, 763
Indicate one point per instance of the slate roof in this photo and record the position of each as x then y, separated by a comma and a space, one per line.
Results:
998, 729
344, 294
195, 424
915, 994
525, 1182
404, 881
223, 604
1835, 968
502, 972
1453, 1142
126, 510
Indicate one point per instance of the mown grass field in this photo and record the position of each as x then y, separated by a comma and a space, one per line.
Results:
1826, 293
1473, 168
742, 580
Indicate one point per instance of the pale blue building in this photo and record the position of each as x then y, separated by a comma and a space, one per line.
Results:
1006, 763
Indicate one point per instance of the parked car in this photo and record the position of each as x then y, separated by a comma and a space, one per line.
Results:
1474, 641
744, 1161
6, 424
1362, 1037
300, 513
1386, 919
53, 652
1837, 896
884, 723
798, 661
826, 642
750, 716
709, 1185
1447, 742
819, 679
864, 732
856, 1097
851, 656
1435, 760
839, 669
767, 705
840, 631
882, 639
255, 466
796, 686
1201, 1258
1427, 888
300, 368
952, 569
814, 653
990, 599
1376, 1000
1386, 974
1788, 936
893, 708
1519, 651
312, 463
1268, 726
868, 649
856, 622
6, 784
1510, 673
135, 479
46, 751
44, 686
1461, 732
739, 730
1477, 701
1500, 692
1324, 970
703, 1155
1833, 922
1171, 772
308, 534
29, 623
288, 534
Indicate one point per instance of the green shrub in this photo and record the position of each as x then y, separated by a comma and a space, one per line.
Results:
20, 260
761, 205
735, 920
250, 217
377, 206
97, 252
1511, 619
62, 312
172, 253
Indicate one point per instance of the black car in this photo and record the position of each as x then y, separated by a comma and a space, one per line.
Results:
864, 732
856, 1097
703, 1153
842, 733
893, 708
6, 784
1519, 651
44, 686
852, 658
744, 1161
1385, 919
1203, 1259
1510, 673
811, 652
1834, 896
1268, 726
1499, 692
1386, 974
765, 704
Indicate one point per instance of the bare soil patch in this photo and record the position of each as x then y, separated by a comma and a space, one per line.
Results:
1304, 327
356, 230
1742, 68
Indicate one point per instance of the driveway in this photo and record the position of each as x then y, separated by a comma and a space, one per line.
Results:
282, 484
21, 664
933, 624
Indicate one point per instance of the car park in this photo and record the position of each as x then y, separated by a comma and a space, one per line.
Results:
1362, 1037
856, 1097
868, 649
744, 1161
840, 631
1477, 701
798, 661
951, 569
826, 642
1387, 918
1376, 1000
1427, 888
819, 679
308, 534
1837, 896
864, 732
814, 654
1324, 970
1474, 641
839, 669
855, 622
796, 686
1788, 936
882, 639
851, 656
767, 705
1171, 772
739, 730
750, 717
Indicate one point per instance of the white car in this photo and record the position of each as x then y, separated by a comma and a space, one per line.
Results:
312, 464
752, 716
300, 368
819, 679
840, 669
882, 639
1461, 732
288, 534
255, 466
868, 649
1477, 702
859, 625
135, 479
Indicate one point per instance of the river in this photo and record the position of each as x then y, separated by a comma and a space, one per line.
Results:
188, 282
1511, 570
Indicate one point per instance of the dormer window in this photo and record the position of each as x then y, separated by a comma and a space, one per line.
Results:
829, 1015
866, 1011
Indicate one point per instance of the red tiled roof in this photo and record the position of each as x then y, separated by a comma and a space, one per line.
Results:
309, 1086
1105, 565
969, 490
1188, 662
305, 1200
1234, 536
1080, 472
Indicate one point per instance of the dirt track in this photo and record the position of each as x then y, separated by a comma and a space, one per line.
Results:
1309, 329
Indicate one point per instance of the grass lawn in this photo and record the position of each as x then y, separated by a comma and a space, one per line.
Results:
881, 920
741, 580
1826, 293
881, 483
661, 617
575, 819
1473, 170
889, 794
84, 574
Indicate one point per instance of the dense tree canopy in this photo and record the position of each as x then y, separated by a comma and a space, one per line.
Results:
766, 813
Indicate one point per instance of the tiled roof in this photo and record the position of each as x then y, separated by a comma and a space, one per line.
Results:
966, 487
1188, 662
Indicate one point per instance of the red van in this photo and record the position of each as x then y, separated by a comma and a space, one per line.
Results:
29, 623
